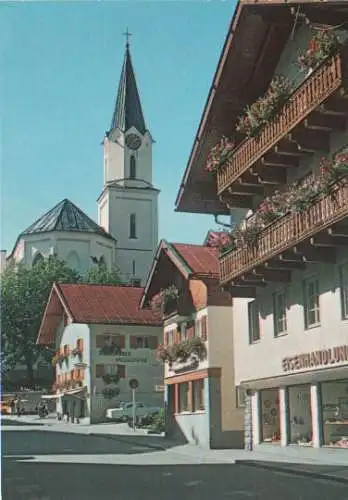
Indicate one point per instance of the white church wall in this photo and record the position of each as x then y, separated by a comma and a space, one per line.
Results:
114, 158
75, 249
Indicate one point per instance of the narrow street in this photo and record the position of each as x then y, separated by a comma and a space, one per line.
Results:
38, 465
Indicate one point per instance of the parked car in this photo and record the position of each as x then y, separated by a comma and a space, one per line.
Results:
125, 412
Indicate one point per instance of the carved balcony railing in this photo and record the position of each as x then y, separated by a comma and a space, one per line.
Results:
319, 86
285, 233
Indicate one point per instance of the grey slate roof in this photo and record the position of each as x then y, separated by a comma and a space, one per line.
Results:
65, 216
128, 111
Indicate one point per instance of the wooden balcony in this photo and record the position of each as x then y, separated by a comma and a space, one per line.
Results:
289, 243
316, 108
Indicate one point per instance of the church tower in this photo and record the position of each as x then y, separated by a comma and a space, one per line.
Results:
127, 207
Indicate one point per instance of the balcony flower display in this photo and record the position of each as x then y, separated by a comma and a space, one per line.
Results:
219, 154
181, 352
323, 44
265, 109
222, 240
166, 296
248, 232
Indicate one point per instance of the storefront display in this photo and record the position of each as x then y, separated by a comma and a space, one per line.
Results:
270, 421
335, 413
300, 416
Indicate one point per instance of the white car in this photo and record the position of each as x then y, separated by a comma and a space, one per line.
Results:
125, 411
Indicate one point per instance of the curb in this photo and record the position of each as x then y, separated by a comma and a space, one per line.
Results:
294, 472
127, 439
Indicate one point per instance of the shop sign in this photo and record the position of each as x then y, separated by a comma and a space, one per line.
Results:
126, 357
312, 359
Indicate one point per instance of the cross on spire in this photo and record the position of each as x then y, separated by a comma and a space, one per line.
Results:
127, 34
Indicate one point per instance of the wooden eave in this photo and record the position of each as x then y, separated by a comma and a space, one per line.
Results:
255, 41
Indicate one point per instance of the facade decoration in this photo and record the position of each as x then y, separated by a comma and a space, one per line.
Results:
90, 378
285, 261
199, 404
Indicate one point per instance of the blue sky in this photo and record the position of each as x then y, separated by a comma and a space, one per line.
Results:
60, 67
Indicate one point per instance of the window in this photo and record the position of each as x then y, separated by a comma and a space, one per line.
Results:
279, 313
133, 267
344, 290
37, 259
253, 317
198, 395
183, 397
311, 299
132, 168
142, 343
132, 226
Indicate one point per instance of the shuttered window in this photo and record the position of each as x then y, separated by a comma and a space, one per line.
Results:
121, 371
79, 344
153, 342
99, 371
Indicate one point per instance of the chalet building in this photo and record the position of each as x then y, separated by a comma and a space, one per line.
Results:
201, 401
102, 340
271, 152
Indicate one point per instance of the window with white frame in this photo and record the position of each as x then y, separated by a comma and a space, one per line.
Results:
311, 302
142, 342
279, 312
253, 318
344, 290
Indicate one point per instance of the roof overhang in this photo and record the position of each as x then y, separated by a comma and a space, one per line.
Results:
52, 316
164, 251
254, 43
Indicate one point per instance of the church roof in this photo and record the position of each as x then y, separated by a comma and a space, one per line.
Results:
65, 216
128, 112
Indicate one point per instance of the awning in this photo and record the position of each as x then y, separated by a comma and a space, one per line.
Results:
51, 396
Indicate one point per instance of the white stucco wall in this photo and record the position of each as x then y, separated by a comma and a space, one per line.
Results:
117, 157
74, 248
147, 370
144, 204
264, 358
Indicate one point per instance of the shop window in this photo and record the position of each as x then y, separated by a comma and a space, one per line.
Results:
270, 420
344, 290
334, 396
241, 396
300, 415
279, 313
198, 395
311, 299
184, 397
253, 318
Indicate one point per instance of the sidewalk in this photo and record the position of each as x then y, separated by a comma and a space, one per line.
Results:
323, 463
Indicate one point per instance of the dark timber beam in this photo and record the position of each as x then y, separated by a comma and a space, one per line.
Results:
316, 255
271, 275
281, 264
325, 240
241, 292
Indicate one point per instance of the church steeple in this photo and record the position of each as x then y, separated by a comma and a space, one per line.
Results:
128, 112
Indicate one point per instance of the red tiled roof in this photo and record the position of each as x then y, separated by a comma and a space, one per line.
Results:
106, 304
201, 259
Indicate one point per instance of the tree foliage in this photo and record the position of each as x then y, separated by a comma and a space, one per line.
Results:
100, 274
24, 294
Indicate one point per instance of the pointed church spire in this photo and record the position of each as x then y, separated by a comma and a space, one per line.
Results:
128, 111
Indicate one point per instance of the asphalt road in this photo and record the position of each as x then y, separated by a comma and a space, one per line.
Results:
40, 465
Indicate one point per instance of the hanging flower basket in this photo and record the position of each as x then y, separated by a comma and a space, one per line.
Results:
323, 44
222, 240
110, 392
219, 154
111, 379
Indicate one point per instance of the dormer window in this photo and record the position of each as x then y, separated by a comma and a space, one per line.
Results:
132, 168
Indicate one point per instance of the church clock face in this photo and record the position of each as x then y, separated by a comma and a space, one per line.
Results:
133, 141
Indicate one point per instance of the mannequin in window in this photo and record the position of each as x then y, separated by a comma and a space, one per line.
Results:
132, 168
